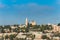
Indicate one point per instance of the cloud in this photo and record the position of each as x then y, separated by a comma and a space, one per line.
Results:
33, 8
29, 8
33, 5
4, 6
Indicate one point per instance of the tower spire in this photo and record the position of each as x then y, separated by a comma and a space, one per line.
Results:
26, 22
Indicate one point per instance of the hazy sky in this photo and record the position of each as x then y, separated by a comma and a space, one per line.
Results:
42, 11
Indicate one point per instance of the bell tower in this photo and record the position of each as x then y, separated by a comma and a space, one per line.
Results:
26, 22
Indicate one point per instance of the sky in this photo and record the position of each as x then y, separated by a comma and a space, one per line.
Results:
41, 11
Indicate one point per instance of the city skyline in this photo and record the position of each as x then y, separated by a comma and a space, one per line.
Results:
42, 11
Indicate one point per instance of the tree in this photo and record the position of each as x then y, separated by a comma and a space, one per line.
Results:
17, 30
12, 36
30, 25
26, 30
1, 29
46, 27
50, 27
42, 28
6, 37
45, 37
33, 36
30, 36
7, 27
16, 25
58, 24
